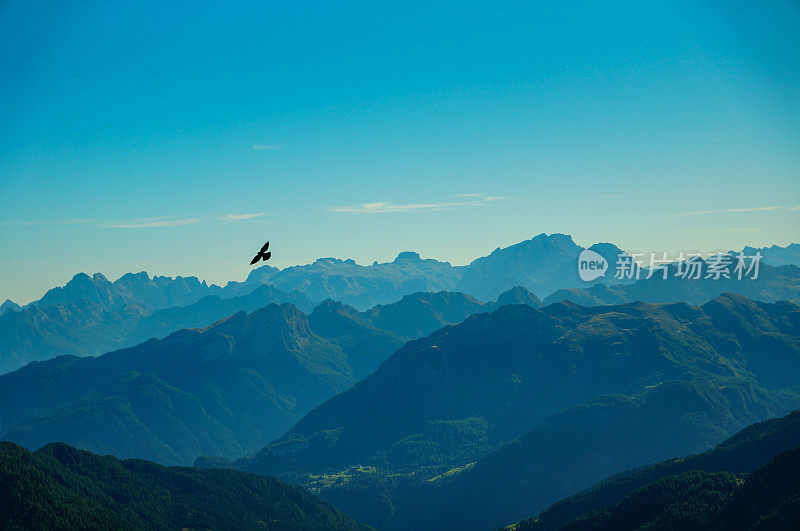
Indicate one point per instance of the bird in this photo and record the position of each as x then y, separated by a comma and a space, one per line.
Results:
263, 253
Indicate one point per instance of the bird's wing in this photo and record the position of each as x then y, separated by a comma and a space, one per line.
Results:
254, 260
266, 246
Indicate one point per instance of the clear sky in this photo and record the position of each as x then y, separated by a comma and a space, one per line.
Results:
176, 137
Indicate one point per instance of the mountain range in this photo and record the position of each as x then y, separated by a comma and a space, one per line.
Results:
92, 315
522, 406
670, 285
776, 255
228, 388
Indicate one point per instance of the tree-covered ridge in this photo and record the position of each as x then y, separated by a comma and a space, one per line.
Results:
744, 452
769, 498
60, 487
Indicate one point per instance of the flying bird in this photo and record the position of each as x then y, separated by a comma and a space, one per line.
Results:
263, 253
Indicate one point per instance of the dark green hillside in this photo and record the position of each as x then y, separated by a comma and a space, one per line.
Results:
744, 452
769, 498
565, 453
60, 487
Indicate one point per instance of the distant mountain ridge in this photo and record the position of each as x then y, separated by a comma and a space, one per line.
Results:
775, 255
91, 315
354, 284
153, 293
771, 285
542, 264
9, 306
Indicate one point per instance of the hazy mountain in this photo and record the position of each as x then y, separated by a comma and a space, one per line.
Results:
225, 389
515, 295
542, 264
94, 315
60, 487
423, 313
207, 310
354, 284
748, 450
775, 255
153, 293
90, 316
686, 378
773, 284
96, 289
9, 306
77, 328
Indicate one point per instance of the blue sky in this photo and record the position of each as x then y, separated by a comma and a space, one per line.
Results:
176, 138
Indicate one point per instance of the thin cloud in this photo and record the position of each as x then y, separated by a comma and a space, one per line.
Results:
635, 194
154, 223
231, 218
728, 210
269, 147
382, 207
385, 207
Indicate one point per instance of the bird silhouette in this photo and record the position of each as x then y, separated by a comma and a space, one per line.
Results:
263, 253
